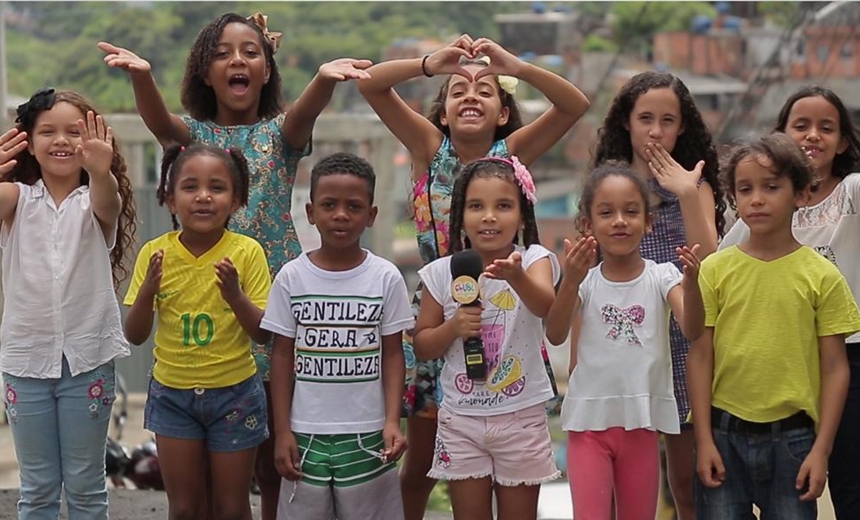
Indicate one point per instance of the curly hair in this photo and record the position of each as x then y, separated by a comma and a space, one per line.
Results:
484, 169
28, 171
175, 157
694, 143
198, 98
845, 162
345, 164
786, 158
437, 107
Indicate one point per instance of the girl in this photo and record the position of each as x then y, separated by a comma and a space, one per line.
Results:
492, 433
232, 91
818, 121
206, 403
620, 392
473, 115
654, 124
68, 218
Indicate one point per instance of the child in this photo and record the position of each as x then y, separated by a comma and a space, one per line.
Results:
232, 91
492, 433
654, 124
767, 394
338, 315
206, 403
620, 393
820, 124
68, 218
473, 115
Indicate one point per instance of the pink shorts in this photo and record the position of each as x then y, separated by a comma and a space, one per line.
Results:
513, 448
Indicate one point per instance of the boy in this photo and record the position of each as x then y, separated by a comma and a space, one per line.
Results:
338, 314
771, 369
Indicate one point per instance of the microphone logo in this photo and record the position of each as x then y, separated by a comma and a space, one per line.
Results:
465, 290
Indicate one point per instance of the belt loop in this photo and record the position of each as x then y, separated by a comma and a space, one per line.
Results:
725, 421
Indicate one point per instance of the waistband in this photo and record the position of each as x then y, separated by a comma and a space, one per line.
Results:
725, 421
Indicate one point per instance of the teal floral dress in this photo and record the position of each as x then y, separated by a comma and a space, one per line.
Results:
273, 165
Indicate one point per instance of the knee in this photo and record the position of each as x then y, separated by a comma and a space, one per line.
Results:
184, 511
233, 512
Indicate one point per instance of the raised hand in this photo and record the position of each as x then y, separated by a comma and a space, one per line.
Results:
506, 268
344, 69
228, 279
12, 143
501, 61
669, 174
152, 281
578, 258
124, 59
690, 260
95, 152
447, 59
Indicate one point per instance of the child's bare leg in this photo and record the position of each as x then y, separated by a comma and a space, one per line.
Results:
517, 502
231, 480
415, 485
183, 470
472, 498
680, 469
268, 479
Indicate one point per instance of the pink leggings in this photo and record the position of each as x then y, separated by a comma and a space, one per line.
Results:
627, 461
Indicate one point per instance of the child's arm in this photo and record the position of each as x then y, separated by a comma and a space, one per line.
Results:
686, 299
95, 154
416, 132
393, 375
568, 102
301, 117
834, 389
533, 286
700, 376
282, 366
577, 261
696, 200
138, 322
166, 127
247, 314
575, 330
434, 334
12, 143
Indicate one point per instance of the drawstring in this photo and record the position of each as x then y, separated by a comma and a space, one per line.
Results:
301, 463
376, 454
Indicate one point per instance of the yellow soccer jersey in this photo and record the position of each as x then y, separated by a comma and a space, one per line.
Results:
198, 341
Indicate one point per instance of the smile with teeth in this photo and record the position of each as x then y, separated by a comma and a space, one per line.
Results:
62, 155
488, 233
470, 112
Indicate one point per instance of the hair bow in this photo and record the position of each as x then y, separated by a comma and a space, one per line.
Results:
521, 174
272, 38
42, 100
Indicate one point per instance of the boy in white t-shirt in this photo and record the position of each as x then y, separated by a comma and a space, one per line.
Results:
338, 314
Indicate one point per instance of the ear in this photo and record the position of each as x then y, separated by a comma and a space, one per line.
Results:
309, 210
843, 145
234, 206
171, 203
267, 73
371, 217
649, 222
587, 228
504, 115
443, 117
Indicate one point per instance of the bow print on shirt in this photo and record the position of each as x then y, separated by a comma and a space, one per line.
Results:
623, 321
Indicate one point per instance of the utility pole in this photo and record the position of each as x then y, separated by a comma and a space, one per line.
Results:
3, 84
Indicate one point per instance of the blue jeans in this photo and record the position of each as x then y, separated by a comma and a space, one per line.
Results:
761, 469
844, 479
59, 427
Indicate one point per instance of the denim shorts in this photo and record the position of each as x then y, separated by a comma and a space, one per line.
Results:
232, 418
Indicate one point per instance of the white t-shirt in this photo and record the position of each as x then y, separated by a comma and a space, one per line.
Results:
512, 337
623, 374
57, 287
338, 319
831, 227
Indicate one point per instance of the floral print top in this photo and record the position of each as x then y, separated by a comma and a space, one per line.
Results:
432, 198
273, 165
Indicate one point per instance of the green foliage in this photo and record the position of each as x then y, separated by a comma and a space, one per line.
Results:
631, 24
54, 43
597, 43
780, 13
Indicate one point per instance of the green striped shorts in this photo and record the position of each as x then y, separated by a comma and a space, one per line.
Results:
341, 460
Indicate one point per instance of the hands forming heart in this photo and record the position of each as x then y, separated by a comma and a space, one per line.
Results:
447, 59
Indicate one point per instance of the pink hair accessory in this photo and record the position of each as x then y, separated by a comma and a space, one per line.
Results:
521, 174
182, 148
227, 150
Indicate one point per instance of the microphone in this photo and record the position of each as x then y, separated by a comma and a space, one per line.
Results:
466, 268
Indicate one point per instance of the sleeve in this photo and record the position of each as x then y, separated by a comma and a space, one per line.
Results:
737, 234
436, 284
396, 311
668, 276
278, 317
709, 293
6, 231
256, 282
537, 252
195, 127
852, 186
837, 311
141, 265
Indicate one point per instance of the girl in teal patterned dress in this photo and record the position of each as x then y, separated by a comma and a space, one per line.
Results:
474, 115
232, 92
